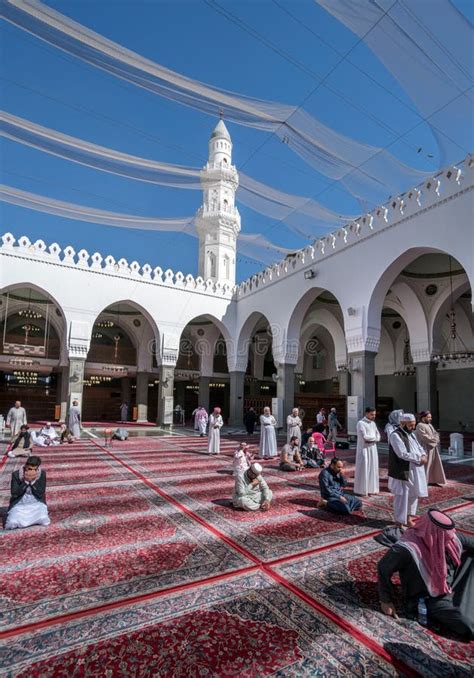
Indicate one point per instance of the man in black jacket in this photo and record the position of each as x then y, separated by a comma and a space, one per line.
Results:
28, 496
22, 443
435, 563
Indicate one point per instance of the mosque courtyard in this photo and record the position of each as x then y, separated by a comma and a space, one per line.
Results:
252, 220
147, 570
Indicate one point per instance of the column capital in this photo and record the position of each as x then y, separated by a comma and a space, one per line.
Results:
421, 356
359, 340
237, 363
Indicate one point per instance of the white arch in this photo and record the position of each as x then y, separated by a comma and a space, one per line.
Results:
324, 318
387, 278
411, 310
441, 308
239, 358
132, 333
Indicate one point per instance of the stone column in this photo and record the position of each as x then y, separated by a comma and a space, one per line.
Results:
165, 396
426, 394
344, 383
203, 398
286, 389
126, 392
142, 397
363, 376
62, 392
236, 413
76, 381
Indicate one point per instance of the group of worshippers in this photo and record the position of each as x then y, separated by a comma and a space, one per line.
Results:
23, 438
414, 460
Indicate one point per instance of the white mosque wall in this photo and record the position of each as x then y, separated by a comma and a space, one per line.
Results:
357, 264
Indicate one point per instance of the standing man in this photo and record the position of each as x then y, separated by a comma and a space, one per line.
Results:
294, 425
123, 412
366, 475
215, 424
201, 418
333, 424
428, 437
322, 420
406, 475
250, 419
16, 418
268, 441
74, 421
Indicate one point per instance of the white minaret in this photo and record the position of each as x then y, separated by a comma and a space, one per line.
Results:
218, 219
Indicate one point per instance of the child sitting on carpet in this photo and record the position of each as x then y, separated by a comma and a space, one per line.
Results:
28, 496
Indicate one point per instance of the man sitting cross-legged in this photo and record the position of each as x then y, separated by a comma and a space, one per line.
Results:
290, 458
331, 485
28, 496
21, 445
251, 492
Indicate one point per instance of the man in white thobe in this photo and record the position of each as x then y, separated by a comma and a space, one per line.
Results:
251, 491
366, 476
47, 436
74, 421
16, 418
201, 419
406, 473
215, 424
268, 441
294, 426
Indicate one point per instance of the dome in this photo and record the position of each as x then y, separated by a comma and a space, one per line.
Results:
220, 130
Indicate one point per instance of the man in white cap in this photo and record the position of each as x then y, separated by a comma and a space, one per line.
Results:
251, 492
406, 475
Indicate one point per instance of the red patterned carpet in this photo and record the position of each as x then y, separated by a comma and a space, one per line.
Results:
147, 570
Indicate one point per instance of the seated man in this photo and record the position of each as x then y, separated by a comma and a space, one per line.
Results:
290, 458
251, 492
22, 443
242, 458
315, 449
65, 435
436, 563
331, 484
28, 496
46, 436
306, 436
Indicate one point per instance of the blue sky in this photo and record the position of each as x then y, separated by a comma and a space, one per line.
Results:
53, 89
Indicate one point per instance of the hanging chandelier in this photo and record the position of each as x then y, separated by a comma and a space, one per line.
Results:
29, 314
454, 349
409, 369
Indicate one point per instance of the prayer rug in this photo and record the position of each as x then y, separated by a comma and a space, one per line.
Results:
344, 580
294, 523
102, 545
464, 517
244, 626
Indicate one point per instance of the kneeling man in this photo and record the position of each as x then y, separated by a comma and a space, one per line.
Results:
331, 485
28, 496
435, 563
251, 492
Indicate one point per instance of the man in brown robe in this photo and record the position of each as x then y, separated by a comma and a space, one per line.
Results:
428, 438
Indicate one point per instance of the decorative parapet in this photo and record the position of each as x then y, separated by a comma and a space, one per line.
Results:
39, 251
433, 191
